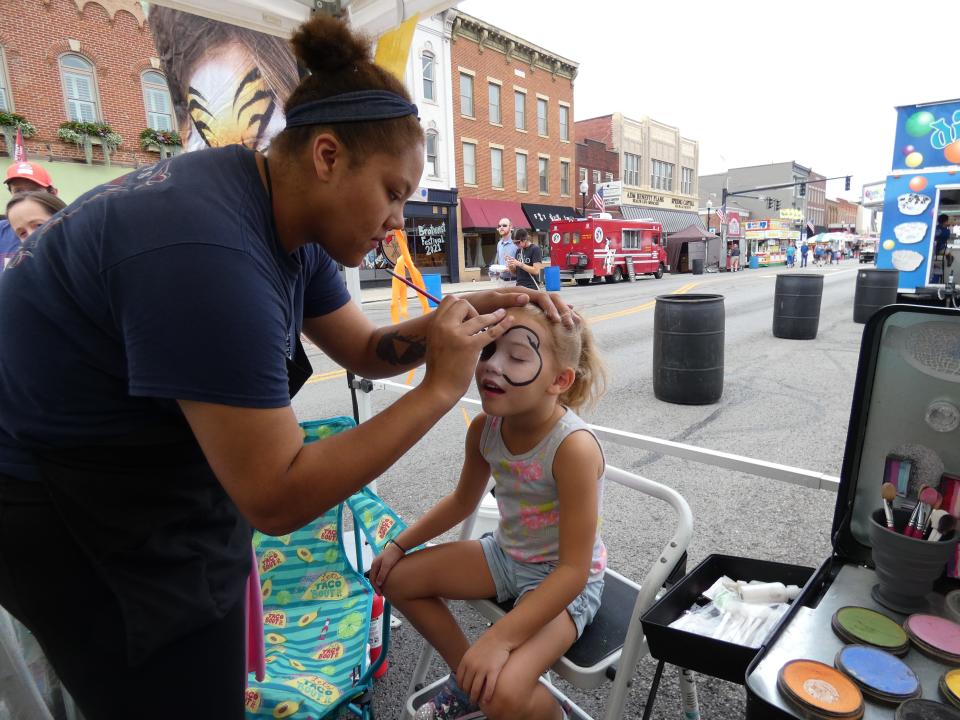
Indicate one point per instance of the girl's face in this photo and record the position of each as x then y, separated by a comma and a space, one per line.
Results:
26, 216
517, 372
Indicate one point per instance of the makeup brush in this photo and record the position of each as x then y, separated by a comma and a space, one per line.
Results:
928, 523
928, 496
908, 528
888, 492
947, 524
934, 520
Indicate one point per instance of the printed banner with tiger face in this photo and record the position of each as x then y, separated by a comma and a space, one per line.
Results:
228, 84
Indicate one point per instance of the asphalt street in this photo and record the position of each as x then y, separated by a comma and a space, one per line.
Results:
786, 401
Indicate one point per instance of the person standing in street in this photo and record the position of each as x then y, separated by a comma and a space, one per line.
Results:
735, 257
791, 253
804, 251
506, 248
21, 177
528, 262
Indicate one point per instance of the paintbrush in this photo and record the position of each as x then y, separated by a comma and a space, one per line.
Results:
934, 520
947, 524
888, 492
908, 528
928, 496
929, 519
409, 284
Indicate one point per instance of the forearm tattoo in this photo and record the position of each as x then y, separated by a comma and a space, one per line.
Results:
398, 349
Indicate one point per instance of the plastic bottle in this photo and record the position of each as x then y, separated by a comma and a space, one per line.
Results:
774, 592
376, 635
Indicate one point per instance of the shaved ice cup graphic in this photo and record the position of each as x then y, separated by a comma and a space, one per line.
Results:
906, 567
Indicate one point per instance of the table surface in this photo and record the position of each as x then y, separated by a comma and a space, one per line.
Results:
809, 635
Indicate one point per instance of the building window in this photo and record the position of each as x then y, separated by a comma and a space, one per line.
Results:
432, 153
469, 164
631, 239
608, 177
564, 178
6, 101
686, 183
79, 88
631, 169
493, 96
156, 99
544, 168
661, 175
583, 174
466, 94
541, 116
520, 110
428, 65
596, 177
496, 167
521, 172
564, 123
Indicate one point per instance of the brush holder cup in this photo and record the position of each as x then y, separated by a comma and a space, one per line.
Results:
906, 567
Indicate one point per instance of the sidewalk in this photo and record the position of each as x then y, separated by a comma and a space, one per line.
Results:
383, 294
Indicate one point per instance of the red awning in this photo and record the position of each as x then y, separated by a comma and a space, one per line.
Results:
485, 214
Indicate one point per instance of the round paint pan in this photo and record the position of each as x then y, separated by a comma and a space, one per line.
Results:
863, 626
935, 636
880, 675
819, 690
950, 686
926, 710
951, 604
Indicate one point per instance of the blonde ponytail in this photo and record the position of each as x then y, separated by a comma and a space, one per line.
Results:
590, 381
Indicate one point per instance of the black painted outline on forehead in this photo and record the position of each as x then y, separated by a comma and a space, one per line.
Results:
490, 348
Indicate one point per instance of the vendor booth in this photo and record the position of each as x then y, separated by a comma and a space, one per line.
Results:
693, 248
767, 240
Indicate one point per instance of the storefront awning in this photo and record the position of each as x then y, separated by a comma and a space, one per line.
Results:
540, 216
485, 214
671, 220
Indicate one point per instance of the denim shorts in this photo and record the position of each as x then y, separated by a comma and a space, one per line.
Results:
513, 579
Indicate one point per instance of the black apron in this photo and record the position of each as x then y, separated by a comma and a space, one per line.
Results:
158, 527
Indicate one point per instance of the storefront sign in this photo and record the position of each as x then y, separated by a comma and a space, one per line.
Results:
733, 226
928, 136
873, 194
431, 237
791, 214
756, 225
658, 201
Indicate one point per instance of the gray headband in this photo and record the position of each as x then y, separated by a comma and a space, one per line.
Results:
351, 107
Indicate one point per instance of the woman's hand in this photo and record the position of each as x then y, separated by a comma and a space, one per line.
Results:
485, 301
480, 667
455, 338
382, 565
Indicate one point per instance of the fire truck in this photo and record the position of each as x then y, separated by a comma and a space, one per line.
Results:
601, 247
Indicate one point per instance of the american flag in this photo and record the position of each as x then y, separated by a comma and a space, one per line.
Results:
598, 199
721, 214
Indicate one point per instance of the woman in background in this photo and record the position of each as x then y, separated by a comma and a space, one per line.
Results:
28, 211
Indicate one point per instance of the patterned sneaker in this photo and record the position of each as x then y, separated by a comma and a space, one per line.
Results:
450, 703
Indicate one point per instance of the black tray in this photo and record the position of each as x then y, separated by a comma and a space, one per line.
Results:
702, 654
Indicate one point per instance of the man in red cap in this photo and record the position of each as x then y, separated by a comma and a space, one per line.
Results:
21, 177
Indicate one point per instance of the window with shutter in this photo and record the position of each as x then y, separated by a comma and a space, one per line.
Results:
6, 102
79, 88
156, 100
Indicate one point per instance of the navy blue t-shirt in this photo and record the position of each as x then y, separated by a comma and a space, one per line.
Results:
168, 283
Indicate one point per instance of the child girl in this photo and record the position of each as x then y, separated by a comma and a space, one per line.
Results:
546, 552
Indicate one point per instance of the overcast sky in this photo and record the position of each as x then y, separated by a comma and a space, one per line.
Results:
753, 82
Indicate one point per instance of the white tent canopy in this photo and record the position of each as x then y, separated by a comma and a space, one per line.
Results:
281, 17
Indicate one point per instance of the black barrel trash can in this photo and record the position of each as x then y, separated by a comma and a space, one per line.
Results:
688, 336
696, 266
796, 305
875, 289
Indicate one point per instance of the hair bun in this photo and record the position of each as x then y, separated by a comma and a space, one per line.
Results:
325, 44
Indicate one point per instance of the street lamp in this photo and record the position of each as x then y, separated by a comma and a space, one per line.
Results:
583, 197
709, 208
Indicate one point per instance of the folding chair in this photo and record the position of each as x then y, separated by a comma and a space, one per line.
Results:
316, 609
613, 644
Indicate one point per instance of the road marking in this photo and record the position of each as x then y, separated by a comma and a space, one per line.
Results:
321, 377
466, 415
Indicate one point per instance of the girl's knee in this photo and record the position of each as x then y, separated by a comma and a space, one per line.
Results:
510, 699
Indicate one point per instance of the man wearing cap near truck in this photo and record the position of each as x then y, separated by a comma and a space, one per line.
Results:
21, 177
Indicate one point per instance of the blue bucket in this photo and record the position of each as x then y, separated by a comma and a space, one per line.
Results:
551, 278
432, 283
754, 262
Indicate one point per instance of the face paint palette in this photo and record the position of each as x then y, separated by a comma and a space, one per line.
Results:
819, 691
878, 674
863, 626
926, 710
950, 686
935, 636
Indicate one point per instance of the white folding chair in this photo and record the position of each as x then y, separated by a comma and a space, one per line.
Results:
613, 644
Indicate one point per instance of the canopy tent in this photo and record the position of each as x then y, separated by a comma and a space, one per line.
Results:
281, 17
700, 244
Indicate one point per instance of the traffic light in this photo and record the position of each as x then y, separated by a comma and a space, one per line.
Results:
846, 185
769, 203
803, 189
778, 206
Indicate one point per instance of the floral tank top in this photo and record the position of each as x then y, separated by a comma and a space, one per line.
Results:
526, 492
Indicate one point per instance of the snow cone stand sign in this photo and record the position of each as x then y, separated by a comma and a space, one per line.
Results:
925, 178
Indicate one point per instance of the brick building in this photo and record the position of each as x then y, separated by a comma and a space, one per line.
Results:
841, 215
93, 61
596, 163
513, 128
816, 211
